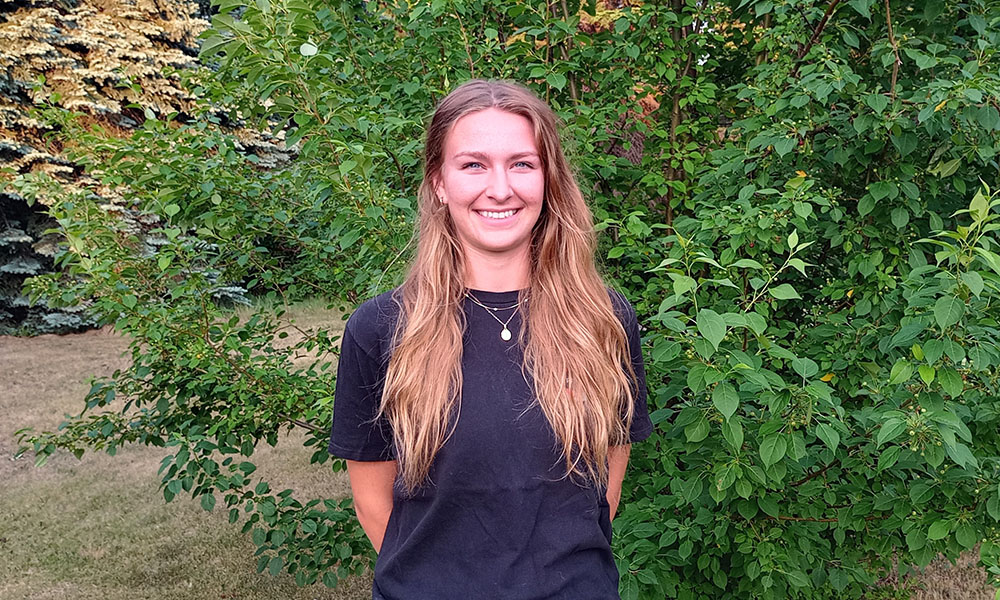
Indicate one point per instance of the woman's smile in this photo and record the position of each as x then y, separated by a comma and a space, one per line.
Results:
494, 215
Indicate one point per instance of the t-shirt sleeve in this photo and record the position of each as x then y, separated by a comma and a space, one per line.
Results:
358, 432
641, 427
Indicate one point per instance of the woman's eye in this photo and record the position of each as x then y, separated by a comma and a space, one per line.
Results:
524, 165
472, 165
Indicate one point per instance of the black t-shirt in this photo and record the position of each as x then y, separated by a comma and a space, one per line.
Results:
499, 518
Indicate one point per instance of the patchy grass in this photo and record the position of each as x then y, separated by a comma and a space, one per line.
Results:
98, 528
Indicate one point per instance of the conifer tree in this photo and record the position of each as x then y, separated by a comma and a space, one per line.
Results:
109, 61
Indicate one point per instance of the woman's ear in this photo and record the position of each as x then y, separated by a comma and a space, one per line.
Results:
439, 192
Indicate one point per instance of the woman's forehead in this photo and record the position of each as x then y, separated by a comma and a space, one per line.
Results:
491, 133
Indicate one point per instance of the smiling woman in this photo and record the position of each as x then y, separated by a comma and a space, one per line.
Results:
493, 184
485, 465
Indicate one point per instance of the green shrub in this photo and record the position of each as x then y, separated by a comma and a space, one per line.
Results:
799, 202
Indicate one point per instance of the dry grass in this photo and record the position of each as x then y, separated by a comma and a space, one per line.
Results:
98, 528
964, 580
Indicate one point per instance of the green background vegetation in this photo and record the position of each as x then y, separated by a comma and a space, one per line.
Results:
797, 197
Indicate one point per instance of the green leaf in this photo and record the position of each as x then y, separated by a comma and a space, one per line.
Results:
890, 430
556, 80
683, 284
726, 399
329, 578
993, 505
866, 205
692, 488
927, 373
259, 537
756, 322
772, 449
961, 454
888, 458
665, 350
747, 509
979, 207
208, 501
275, 564
946, 169
905, 143
933, 350
901, 372
939, 530
988, 117
951, 382
697, 431
883, 189
828, 434
768, 505
171, 209
793, 240
948, 310
747, 263
921, 493
966, 535
308, 49
900, 217
785, 145
797, 579
784, 292
711, 326
732, 431
805, 367
130, 301
973, 281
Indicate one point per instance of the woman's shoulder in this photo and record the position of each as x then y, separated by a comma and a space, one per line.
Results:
622, 307
374, 320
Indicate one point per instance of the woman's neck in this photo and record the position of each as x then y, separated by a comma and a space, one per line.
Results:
496, 273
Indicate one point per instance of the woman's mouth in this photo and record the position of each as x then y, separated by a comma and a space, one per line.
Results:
497, 214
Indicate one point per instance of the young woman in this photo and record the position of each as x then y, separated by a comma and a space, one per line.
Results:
486, 406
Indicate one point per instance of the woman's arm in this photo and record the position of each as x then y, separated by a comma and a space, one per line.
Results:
617, 463
371, 484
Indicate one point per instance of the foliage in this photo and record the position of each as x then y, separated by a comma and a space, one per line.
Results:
799, 199
26, 250
98, 58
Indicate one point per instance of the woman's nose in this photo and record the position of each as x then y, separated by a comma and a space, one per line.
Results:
498, 187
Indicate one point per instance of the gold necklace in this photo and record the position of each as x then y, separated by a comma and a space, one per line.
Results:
505, 333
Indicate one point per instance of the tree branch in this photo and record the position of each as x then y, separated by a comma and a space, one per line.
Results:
895, 50
815, 36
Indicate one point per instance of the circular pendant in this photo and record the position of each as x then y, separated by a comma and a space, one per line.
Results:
505, 334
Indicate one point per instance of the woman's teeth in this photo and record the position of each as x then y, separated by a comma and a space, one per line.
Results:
489, 214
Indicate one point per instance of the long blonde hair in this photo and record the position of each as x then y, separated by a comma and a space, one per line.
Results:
575, 348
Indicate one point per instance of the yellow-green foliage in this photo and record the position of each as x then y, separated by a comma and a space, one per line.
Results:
98, 58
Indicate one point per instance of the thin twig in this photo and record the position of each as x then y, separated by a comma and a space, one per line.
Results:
565, 47
817, 32
895, 50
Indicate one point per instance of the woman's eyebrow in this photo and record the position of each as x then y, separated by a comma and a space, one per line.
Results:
483, 156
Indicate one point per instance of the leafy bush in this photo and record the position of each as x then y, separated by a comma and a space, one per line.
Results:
798, 198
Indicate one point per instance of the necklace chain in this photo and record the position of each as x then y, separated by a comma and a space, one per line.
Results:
505, 333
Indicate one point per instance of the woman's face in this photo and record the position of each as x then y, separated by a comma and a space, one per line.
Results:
492, 182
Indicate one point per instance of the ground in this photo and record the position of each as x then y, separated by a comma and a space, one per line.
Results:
98, 529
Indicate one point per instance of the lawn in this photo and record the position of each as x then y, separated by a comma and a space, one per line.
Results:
98, 528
